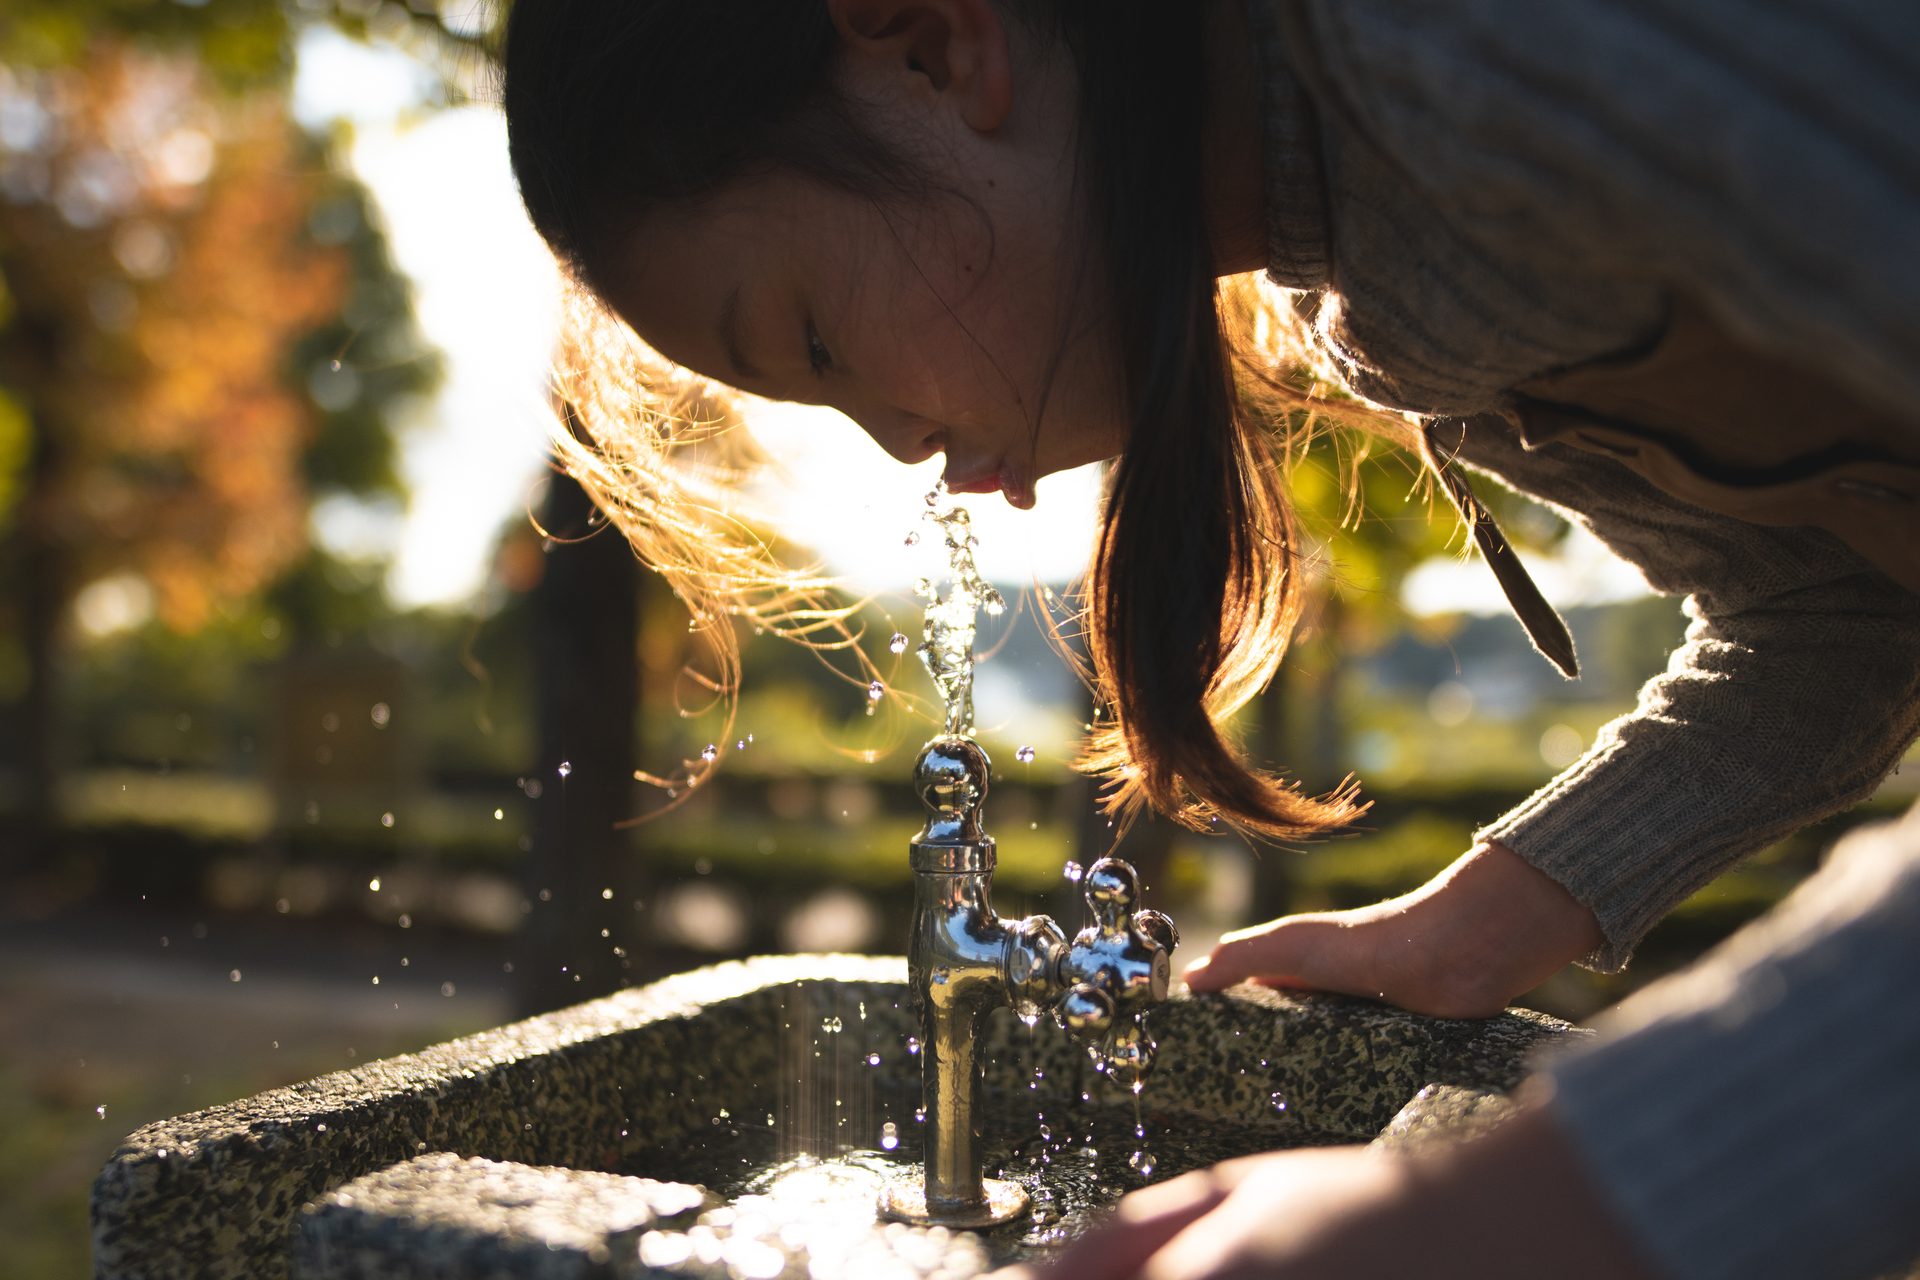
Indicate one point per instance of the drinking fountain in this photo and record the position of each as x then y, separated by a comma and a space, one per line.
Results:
963, 961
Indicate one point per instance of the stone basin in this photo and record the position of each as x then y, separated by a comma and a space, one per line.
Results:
515, 1152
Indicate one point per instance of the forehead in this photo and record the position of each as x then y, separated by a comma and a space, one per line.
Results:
676, 269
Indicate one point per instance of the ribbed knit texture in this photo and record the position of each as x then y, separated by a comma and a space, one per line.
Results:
1796, 691
1484, 230
1762, 156
1513, 186
1753, 1118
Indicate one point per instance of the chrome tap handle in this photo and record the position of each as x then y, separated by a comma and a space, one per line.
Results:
950, 777
1114, 969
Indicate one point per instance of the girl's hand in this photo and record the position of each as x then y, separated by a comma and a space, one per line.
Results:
1461, 946
1515, 1203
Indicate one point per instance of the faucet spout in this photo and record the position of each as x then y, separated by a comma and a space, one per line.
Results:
964, 961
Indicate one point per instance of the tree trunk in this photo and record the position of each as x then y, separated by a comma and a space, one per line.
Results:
584, 875
39, 571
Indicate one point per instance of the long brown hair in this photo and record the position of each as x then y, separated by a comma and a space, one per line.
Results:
615, 106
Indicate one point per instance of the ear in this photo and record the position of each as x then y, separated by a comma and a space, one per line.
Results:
956, 48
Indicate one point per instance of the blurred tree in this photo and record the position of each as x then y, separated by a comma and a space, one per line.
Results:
202, 330
583, 876
1369, 515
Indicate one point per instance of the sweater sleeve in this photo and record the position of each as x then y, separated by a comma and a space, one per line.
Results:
1761, 157
1749, 1118
1796, 691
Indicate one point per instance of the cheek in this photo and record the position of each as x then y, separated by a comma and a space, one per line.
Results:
944, 360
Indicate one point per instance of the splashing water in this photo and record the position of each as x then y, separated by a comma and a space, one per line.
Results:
952, 617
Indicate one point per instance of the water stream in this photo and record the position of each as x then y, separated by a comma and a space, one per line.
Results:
951, 616
813, 1215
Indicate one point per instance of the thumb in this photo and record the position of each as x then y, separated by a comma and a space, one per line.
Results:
1295, 951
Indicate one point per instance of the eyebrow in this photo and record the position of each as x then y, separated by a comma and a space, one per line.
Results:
730, 335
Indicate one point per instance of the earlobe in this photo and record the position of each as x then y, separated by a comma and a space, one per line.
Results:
956, 48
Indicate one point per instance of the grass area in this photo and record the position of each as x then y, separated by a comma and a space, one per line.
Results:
54, 1084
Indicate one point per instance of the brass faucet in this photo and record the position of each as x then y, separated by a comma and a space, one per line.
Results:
963, 961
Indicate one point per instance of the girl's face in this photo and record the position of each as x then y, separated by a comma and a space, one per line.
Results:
959, 322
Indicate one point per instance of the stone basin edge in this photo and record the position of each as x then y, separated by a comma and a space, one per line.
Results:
215, 1192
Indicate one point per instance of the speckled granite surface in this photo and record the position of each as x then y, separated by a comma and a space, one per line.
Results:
448, 1217
1445, 1113
818, 1046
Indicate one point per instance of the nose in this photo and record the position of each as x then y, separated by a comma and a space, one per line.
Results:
906, 437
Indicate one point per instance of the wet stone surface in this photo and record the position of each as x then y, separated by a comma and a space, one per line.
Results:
819, 1211
447, 1216
814, 1055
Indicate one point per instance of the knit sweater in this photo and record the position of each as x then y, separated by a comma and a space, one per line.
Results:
1474, 192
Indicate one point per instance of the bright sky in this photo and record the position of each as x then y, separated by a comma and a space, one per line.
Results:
487, 296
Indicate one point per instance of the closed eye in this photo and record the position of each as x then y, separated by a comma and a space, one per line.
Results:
819, 359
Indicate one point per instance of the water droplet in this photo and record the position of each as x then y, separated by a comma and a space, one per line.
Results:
740, 744
1279, 1103
447, 989
1142, 1163
233, 975
606, 895
923, 588
499, 815
566, 767
919, 1115
873, 1059
832, 1026
386, 819
899, 642
1024, 755
1073, 871
876, 691
1046, 1133
889, 1136
101, 1111
373, 885
913, 539
710, 752
913, 1044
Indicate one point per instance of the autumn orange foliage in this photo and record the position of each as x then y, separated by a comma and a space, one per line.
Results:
159, 283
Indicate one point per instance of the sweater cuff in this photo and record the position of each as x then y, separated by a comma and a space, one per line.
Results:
1599, 832
1752, 1117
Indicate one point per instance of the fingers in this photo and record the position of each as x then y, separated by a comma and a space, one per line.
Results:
1298, 951
1145, 1221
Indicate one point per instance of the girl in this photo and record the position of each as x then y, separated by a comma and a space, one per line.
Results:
1654, 261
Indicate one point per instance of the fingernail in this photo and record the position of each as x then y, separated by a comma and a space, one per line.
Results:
1198, 966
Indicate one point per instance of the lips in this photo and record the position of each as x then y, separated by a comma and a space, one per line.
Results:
987, 479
